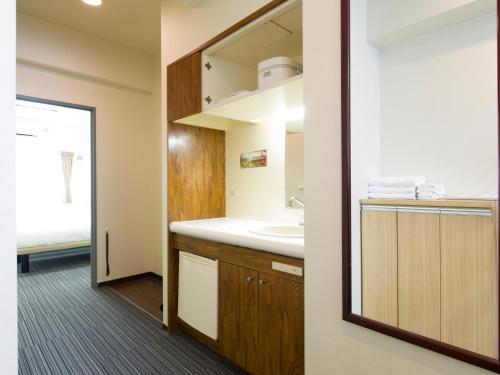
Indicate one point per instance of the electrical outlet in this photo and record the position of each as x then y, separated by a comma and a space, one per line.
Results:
294, 270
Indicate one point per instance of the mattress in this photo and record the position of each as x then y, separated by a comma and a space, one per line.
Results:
52, 228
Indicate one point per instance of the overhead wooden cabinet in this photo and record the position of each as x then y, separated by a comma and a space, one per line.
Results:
419, 272
469, 290
184, 87
379, 264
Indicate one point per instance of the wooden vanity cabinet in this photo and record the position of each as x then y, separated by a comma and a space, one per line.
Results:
431, 268
281, 325
469, 266
419, 272
261, 326
261, 307
379, 264
239, 315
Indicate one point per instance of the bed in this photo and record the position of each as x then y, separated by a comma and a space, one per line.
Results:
54, 228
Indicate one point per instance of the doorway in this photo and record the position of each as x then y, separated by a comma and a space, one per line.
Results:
56, 182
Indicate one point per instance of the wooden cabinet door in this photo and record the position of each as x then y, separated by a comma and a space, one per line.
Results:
419, 273
469, 262
281, 325
379, 265
238, 312
184, 87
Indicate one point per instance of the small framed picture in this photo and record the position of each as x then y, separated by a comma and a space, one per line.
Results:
253, 159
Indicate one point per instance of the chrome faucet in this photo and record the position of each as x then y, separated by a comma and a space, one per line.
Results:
299, 201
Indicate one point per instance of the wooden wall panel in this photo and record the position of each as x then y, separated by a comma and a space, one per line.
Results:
184, 87
196, 173
419, 274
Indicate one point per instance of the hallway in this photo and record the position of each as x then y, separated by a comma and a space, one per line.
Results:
65, 327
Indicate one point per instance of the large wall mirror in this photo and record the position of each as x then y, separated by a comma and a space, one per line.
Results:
294, 164
420, 138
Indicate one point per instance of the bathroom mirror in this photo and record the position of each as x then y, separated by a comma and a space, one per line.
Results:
420, 173
294, 164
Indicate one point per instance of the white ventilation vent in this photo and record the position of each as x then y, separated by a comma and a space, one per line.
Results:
192, 3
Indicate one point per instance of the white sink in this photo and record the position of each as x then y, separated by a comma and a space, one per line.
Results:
288, 231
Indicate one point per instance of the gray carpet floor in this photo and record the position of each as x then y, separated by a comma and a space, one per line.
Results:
65, 327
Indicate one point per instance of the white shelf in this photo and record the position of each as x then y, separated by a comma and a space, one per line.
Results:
278, 100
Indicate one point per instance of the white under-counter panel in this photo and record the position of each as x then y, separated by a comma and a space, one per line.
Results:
237, 232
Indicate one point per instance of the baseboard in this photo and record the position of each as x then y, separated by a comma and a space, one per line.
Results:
128, 278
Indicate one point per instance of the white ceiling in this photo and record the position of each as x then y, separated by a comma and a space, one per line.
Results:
134, 23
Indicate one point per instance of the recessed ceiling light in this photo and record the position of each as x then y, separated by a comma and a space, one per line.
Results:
94, 3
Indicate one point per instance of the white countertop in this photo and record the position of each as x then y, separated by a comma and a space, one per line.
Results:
237, 232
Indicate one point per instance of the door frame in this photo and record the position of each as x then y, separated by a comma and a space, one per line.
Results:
93, 167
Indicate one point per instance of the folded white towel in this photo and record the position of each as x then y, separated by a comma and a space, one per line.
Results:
431, 191
391, 190
401, 181
392, 196
431, 188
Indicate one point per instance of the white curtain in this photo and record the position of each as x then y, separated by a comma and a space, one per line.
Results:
67, 166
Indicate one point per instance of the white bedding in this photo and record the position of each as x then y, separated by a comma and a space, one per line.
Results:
42, 226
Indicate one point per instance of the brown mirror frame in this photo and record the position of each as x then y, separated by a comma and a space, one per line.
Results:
347, 314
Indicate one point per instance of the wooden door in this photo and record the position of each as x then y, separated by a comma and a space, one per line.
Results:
469, 261
281, 325
184, 87
419, 268
379, 265
238, 312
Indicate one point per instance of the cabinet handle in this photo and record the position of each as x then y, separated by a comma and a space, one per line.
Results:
249, 279
262, 282
208, 66
208, 99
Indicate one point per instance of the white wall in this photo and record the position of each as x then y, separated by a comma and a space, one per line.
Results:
438, 107
332, 345
84, 55
8, 276
128, 132
365, 130
156, 112
258, 193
